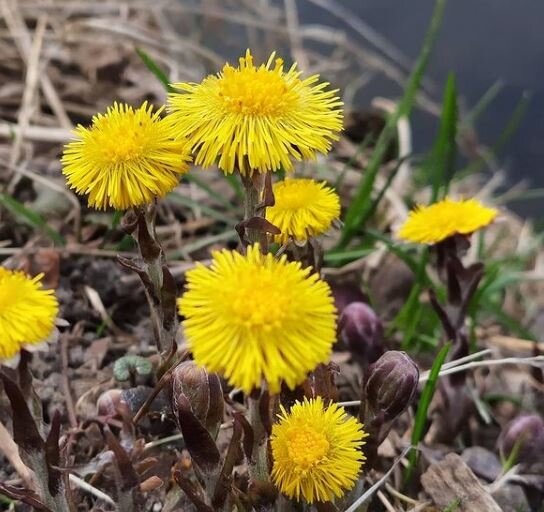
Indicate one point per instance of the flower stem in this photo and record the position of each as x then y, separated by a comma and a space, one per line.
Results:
258, 468
159, 285
253, 185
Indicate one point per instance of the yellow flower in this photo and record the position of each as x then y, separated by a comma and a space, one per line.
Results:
434, 223
254, 317
27, 312
126, 158
303, 209
256, 118
316, 451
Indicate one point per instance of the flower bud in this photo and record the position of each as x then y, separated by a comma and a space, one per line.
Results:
346, 293
202, 390
108, 402
525, 434
362, 332
391, 385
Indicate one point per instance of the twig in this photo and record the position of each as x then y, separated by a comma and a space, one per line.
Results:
68, 398
359, 501
391, 490
385, 502
79, 482
38, 133
531, 361
11, 452
53, 186
455, 367
293, 27
21, 36
29, 92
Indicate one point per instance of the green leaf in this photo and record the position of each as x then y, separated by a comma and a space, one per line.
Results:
423, 407
356, 210
155, 69
33, 219
441, 165
343, 256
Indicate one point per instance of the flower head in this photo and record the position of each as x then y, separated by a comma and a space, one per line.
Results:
434, 223
303, 209
126, 158
255, 118
316, 451
253, 317
27, 312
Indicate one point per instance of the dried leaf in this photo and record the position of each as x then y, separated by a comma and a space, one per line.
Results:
225, 476
216, 407
198, 440
24, 495
189, 489
249, 436
152, 483
52, 456
25, 431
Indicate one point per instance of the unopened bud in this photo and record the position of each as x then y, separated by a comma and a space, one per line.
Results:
108, 402
391, 385
346, 293
524, 436
362, 332
201, 389
192, 381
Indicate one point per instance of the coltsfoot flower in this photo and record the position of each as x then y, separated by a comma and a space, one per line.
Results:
256, 118
303, 208
27, 312
253, 317
126, 158
434, 223
316, 451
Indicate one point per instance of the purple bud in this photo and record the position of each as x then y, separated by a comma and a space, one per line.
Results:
362, 332
191, 380
108, 402
391, 385
345, 293
524, 434
202, 390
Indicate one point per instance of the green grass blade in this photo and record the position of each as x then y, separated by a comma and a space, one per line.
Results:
483, 103
422, 408
355, 211
221, 216
441, 165
336, 257
510, 129
155, 69
33, 219
370, 208
210, 191
369, 137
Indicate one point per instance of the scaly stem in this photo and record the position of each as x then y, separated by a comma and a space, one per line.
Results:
160, 288
253, 186
258, 468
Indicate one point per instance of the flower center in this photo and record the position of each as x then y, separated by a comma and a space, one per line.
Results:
306, 447
122, 150
259, 301
122, 136
293, 195
256, 91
